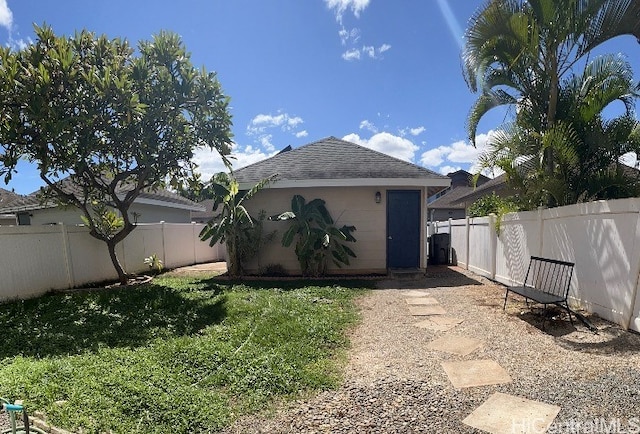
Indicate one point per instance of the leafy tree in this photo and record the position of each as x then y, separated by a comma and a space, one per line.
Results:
318, 240
587, 147
518, 52
104, 123
492, 204
232, 225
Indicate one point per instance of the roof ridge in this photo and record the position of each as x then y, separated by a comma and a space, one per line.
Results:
389, 156
281, 153
335, 139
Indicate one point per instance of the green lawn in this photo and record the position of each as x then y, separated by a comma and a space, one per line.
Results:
179, 355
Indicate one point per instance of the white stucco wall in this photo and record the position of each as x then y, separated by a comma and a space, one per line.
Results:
347, 205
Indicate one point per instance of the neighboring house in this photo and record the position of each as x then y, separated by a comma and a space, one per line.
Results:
501, 188
149, 207
6, 197
205, 215
497, 185
443, 206
382, 196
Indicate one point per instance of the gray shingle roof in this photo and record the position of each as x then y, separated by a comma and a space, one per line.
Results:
447, 200
33, 201
333, 159
497, 185
6, 197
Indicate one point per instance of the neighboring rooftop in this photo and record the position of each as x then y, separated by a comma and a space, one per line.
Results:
495, 185
462, 178
6, 197
203, 216
329, 161
462, 183
157, 197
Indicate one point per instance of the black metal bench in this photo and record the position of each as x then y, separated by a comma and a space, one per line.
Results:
547, 282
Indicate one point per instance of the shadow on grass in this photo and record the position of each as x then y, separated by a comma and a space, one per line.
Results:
84, 322
288, 283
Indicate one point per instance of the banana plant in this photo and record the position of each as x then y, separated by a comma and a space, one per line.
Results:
317, 237
232, 225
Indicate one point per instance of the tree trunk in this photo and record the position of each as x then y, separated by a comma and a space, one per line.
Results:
122, 275
551, 118
232, 252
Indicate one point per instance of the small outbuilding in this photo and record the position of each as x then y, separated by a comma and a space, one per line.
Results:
382, 196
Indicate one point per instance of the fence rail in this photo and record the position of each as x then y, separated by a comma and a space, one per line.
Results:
602, 238
37, 259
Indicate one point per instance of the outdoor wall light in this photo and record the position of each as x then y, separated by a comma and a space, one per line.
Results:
378, 197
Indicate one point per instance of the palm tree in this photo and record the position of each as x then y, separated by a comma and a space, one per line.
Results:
518, 52
587, 147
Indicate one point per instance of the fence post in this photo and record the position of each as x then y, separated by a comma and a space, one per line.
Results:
164, 248
634, 293
493, 245
449, 250
66, 248
194, 238
541, 229
466, 243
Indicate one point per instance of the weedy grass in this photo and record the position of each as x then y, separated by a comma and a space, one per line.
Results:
180, 354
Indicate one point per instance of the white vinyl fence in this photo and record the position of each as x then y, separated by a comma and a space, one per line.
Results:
37, 259
602, 238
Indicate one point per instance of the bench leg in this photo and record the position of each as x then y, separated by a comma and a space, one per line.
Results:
566, 306
544, 316
504, 306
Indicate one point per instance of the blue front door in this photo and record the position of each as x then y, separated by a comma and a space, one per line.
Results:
403, 229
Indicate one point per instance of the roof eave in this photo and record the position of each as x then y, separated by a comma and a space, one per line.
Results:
355, 182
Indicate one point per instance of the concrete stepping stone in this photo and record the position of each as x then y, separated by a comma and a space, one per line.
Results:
433, 309
415, 293
503, 413
417, 301
459, 345
439, 323
473, 373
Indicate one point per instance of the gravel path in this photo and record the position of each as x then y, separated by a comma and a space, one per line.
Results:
394, 384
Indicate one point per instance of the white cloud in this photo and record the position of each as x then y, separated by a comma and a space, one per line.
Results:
370, 51
263, 125
434, 157
341, 6
353, 54
294, 122
6, 16
445, 170
462, 152
210, 162
387, 143
349, 36
417, 131
366, 50
366, 125
261, 122
265, 141
459, 152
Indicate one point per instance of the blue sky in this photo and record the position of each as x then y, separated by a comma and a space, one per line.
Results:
383, 74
